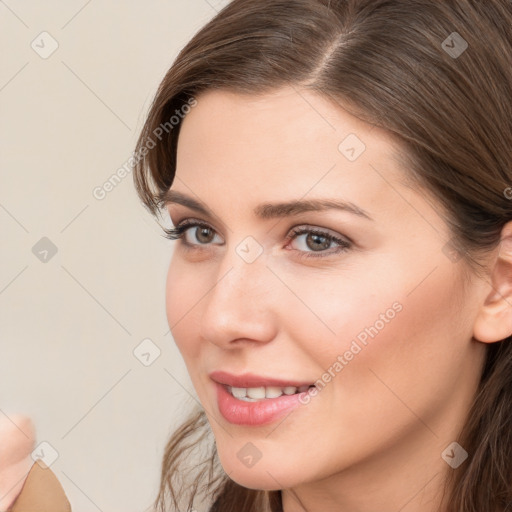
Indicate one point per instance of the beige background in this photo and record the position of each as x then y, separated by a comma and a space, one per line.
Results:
69, 324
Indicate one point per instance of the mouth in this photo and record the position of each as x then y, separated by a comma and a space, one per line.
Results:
249, 387
253, 400
256, 394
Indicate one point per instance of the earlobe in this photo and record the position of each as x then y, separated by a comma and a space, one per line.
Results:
494, 320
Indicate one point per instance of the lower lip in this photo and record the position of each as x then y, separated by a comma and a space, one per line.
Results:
261, 412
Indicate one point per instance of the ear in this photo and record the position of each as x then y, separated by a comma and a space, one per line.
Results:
494, 320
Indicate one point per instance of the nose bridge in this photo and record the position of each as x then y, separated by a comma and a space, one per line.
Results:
241, 278
237, 305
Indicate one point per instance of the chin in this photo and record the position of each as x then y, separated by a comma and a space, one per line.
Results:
259, 480
263, 475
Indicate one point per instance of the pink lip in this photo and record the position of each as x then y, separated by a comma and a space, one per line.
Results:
249, 380
240, 412
262, 412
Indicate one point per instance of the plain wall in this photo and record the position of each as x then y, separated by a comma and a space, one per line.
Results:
70, 321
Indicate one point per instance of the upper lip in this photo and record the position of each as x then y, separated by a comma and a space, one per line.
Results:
250, 380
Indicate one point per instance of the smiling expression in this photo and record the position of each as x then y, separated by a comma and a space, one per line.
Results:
274, 294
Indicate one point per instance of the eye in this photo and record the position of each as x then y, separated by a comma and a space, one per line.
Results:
313, 242
318, 241
202, 232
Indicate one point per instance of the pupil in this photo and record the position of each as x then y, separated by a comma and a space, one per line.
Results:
315, 238
202, 231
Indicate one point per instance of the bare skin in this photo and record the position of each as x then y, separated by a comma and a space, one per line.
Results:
372, 439
17, 439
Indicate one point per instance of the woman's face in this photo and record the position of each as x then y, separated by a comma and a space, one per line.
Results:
378, 316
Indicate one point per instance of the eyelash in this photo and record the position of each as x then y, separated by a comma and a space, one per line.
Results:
179, 231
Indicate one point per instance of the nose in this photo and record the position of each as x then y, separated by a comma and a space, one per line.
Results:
240, 307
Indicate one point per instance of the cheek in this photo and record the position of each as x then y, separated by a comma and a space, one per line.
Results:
340, 314
415, 360
406, 367
374, 339
182, 295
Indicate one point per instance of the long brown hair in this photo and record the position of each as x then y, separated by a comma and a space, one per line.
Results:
437, 75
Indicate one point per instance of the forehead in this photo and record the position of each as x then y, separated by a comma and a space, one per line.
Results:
287, 144
297, 116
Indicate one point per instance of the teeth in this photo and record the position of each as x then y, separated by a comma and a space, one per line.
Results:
273, 392
257, 393
239, 392
254, 394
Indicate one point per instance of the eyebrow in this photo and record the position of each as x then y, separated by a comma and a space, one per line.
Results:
271, 211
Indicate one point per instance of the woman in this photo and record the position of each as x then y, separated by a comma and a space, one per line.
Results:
341, 290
